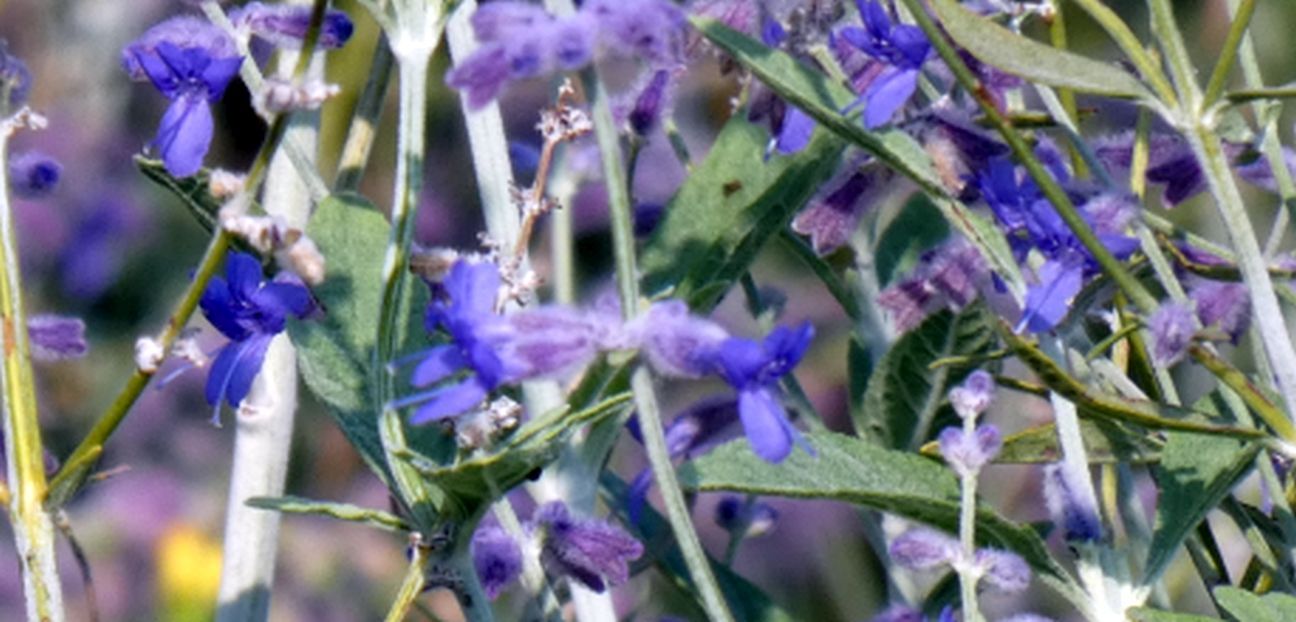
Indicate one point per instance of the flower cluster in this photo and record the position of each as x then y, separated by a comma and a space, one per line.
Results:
521, 41
488, 350
285, 25
591, 552
250, 311
925, 549
901, 50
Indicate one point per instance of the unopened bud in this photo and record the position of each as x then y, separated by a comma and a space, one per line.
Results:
284, 96
303, 258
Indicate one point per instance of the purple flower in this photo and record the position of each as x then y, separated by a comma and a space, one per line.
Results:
1004, 570
950, 275
1070, 505
33, 174
831, 220
1172, 331
55, 337
1226, 306
901, 47
648, 106
250, 312
973, 397
967, 454
923, 549
496, 350
285, 25
899, 613
1049, 298
675, 342
592, 552
651, 29
190, 62
753, 370
15, 81
497, 558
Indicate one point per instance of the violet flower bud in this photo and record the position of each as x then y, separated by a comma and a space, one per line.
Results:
33, 174
497, 558
55, 337
1172, 331
648, 106
1004, 570
735, 515
923, 549
285, 25
973, 397
675, 342
966, 455
590, 551
1226, 306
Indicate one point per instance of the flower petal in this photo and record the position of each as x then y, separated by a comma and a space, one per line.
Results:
450, 401
887, 94
441, 361
251, 355
765, 422
185, 134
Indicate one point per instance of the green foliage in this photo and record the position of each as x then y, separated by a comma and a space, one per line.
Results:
904, 392
729, 206
855, 471
1195, 474
1143, 614
341, 511
915, 229
1244, 605
995, 45
1104, 441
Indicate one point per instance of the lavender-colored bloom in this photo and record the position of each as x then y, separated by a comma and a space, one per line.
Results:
973, 397
33, 174
650, 103
497, 558
923, 549
190, 62
1226, 306
735, 515
590, 551
55, 337
250, 312
1004, 570
754, 369
966, 455
903, 48
285, 25
652, 29
1049, 299
1026, 617
950, 275
957, 149
675, 342
1070, 504
15, 80
1172, 331
831, 220
495, 349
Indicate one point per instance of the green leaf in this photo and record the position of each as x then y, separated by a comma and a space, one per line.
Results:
341, 511
335, 352
855, 471
1244, 605
747, 601
918, 227
193, 191
997, 46
1196, 472
904, 392
537, 443
728, 208
1143, 614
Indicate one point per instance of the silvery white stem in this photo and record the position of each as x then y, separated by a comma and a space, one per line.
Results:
264, 423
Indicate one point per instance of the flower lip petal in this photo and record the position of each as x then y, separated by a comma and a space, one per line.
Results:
450, 401
766, 425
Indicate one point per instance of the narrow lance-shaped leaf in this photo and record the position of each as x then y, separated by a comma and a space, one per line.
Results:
1244, 605
341, 511
995, 45
852, 470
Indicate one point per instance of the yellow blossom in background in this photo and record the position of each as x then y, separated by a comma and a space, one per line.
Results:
188, 570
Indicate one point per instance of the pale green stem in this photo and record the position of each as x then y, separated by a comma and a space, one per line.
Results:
411, 586
1242, 13
264, 422
25, 466
1130, 44
968, 576
364, 122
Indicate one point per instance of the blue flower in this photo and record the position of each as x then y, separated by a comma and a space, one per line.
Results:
493, 349
250, 312
901, 47
754, 369
286, 25
497, 558
190, 62
33, 174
